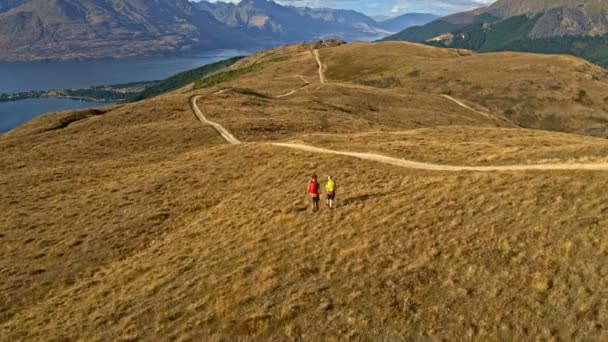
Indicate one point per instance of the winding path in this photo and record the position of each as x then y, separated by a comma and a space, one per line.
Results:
490, 116
221, 130
321, 66
410, 164
323, 80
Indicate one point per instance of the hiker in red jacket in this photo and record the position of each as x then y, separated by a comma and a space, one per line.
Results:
313, 192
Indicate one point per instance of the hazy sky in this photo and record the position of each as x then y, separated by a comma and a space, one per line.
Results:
390, 7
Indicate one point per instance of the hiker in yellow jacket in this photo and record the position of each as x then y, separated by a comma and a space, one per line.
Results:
330, 188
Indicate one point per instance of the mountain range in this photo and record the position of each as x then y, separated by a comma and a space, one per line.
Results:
268, 20
65, 29
401, 22
577, 27
83, 29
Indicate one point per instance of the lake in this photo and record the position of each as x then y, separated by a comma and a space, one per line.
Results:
13, 114
23, 76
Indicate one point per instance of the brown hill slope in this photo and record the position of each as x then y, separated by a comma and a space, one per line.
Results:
534, 91
137, 222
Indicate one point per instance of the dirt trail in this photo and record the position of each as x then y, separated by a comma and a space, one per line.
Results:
321, 66
306, 84
291, 92
462, 104
221, 130
391, 160
437, 167
402, 162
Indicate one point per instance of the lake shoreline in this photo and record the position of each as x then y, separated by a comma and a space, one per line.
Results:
21, 77
15, 113
88, 82
114, 93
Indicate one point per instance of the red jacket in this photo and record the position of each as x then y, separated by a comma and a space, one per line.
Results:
313, 187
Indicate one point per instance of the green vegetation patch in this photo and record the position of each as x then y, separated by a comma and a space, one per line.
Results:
182, 79
420, 34
593, 49
512, 35
582, 98
553, 123
480, 36
230, 75
74, 117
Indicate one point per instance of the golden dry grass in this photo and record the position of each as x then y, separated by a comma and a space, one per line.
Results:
333, 109
139, 223
470, 145
558, 93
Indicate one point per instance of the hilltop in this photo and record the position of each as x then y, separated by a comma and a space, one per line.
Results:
138, 221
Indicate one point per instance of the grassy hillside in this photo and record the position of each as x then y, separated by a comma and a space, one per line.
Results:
435, 28
137, 222
424, 32
531, 90
507, 32
182, 79
484, 38
513, 35
593, 49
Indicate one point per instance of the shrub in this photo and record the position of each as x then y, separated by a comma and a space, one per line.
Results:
230, 75
414, 73
387, 82
182, 79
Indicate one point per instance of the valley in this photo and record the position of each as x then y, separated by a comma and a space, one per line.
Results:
458, 217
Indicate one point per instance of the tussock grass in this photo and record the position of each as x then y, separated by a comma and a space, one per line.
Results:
530, 85
142, 224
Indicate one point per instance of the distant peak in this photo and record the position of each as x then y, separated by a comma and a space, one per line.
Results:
255, 2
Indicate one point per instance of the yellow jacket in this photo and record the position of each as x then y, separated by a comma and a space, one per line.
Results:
331, 186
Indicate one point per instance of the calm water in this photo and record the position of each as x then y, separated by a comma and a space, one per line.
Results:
18, 77
13, 114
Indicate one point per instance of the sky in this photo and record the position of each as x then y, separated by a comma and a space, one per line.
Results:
390, 7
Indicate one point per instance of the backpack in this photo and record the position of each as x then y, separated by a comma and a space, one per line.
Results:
331, 186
